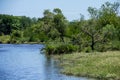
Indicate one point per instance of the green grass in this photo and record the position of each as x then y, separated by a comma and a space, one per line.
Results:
104, 65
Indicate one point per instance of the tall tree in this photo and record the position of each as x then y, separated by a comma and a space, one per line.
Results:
99, 19
59, 22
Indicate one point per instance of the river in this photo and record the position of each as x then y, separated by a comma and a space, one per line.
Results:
26, 62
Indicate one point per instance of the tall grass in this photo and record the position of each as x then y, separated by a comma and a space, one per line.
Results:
104, 65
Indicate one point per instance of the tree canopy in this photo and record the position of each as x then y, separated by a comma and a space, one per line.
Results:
100, 32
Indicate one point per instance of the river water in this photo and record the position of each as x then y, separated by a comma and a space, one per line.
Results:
26, 62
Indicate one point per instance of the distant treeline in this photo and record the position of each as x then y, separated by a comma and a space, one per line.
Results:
100, 32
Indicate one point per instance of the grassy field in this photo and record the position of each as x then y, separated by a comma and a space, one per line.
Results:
104, 65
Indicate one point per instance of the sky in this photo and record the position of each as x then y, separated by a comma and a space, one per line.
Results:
35, 8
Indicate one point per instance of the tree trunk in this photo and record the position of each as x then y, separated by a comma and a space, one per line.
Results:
92, 44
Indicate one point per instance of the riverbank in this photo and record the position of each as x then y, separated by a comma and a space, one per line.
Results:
99, 65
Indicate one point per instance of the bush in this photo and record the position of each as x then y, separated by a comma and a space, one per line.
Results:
115, 45
59, 48
87, 49
16, 36
5, 39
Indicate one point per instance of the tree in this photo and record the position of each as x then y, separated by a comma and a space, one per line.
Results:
108, 14
25, 22
59, 22
96, 28
16, 36
8, 23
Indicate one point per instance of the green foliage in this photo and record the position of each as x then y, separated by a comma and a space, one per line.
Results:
101, 28
59, 22
87, 50
25, 22
16, 36
99, 33
59, 48
53, 34
9, 23
115, 45
4, 39
73, 28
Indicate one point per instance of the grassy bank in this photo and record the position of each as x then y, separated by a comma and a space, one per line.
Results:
104, 65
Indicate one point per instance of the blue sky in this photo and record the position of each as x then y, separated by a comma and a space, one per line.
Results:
34, 8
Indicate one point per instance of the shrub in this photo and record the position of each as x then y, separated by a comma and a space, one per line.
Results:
87, 49
5, 39
15, 36
59, 48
